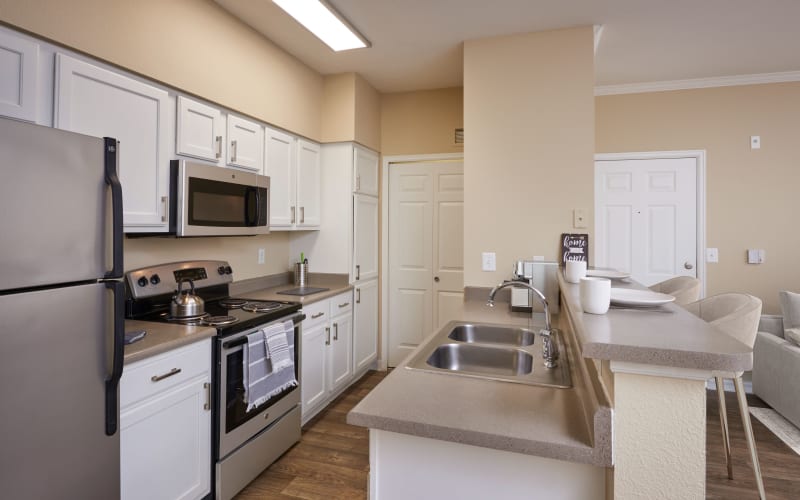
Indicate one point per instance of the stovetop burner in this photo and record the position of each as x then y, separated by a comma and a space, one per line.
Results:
218, 320
232, 303
185, 319
261, 306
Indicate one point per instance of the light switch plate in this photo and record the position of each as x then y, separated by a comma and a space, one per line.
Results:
489, 261
261, 255
755, 256
712, 255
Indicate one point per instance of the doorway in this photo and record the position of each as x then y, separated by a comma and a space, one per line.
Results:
425, 251
650, 214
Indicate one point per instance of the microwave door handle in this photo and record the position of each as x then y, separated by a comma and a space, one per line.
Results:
110, 160
248, 193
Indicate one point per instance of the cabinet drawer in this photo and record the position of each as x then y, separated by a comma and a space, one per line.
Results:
316, 313
151, 376
342, 303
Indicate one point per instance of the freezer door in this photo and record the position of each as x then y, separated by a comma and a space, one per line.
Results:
55, 356
56, 207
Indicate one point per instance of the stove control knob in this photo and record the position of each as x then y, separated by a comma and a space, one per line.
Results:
155, 280
228, 270
142, 281
221, 270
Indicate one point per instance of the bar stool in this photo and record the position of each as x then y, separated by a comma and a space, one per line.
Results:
685, 289
737, 315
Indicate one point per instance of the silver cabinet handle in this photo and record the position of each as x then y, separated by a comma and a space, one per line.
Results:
358, 272
293, 217
318, 315
688, 265
218, 141
234, 149
327, 336
207, 387
174, 371
358, 293
344, 305
302, 215
164, 213
358, 183
336, 331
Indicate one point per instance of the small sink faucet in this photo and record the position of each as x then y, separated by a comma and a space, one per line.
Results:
549, 346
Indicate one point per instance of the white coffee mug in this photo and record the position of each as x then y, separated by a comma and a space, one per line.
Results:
595, 295
575, 270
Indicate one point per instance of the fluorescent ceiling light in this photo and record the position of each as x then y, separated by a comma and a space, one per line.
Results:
325, 23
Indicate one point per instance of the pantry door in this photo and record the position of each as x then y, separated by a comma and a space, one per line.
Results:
646, 216
426, 251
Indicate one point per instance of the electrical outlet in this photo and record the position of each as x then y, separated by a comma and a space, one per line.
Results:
489, 261
261, 255
712, 255
755, 142
756, 256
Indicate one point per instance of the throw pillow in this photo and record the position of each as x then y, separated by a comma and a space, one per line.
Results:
790, 306
793, 335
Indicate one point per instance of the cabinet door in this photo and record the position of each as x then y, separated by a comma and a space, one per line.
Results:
95, 101
365, 238
365, 171
245, 144
314, 366
165, 445
308, 184
280, 167
365, 325
19, 59
341, 350
199, 130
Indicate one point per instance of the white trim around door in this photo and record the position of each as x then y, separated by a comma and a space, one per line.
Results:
386, 162
700, 157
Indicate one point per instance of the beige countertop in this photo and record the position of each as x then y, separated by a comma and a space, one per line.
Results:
674, 338
163, 337
541, 421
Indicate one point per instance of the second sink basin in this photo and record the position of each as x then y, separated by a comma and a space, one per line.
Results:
476, 359
490, 334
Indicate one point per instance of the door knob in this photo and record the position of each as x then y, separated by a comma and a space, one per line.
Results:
688, 265
436, 279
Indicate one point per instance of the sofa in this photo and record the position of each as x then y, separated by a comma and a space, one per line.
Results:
776, 368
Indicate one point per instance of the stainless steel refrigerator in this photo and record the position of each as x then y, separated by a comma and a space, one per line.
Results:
61, 314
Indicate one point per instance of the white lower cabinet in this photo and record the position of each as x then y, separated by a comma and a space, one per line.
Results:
326, 355
165, 425
365, 326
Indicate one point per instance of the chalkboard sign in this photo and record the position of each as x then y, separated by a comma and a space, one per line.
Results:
574, 247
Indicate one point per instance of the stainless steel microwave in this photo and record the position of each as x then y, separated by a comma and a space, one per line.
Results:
217, 201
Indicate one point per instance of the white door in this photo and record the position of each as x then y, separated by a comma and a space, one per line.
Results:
19, 77
308, 184
365, 238
199, 130
426, 227
646, 217
245, 144
280, 167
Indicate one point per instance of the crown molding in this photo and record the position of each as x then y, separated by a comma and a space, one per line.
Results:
697, 83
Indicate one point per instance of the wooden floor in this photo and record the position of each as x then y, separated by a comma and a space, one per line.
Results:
332, 458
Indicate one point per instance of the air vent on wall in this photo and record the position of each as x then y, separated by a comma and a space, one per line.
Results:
459, 136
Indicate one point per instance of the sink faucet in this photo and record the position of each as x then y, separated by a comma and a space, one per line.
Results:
549, 346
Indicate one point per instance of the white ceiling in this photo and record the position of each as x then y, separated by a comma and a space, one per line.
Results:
417, 44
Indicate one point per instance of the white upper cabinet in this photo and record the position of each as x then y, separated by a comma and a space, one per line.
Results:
18, 77
308, 184
365, 238
199, 132
95, 101
365, 171
245, 144
280, 167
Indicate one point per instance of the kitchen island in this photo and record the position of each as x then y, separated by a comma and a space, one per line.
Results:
632, 425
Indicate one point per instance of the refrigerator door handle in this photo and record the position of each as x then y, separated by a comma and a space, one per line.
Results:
112, 383
112, 179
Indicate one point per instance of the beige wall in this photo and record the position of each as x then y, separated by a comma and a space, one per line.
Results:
751, 195
338, 107
421, 122
193, 45
241, 252
367, 114
529, 145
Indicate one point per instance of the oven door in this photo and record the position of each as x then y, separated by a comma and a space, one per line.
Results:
236, 425
214, 201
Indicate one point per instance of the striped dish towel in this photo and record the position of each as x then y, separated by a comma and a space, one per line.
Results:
267, 372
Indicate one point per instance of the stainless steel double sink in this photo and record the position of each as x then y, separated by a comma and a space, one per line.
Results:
493, 352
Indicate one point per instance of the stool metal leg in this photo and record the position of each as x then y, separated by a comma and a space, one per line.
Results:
723, 422
748, 431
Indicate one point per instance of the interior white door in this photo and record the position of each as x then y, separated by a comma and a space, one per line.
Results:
646, 217
426, 225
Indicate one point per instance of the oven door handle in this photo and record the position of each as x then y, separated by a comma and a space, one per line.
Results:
297, 319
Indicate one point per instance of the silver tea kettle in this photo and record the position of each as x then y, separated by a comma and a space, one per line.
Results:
185, 303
